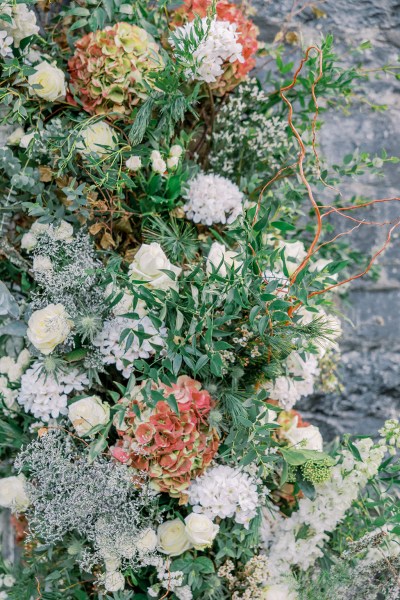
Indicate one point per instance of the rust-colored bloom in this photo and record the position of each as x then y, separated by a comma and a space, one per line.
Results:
171, 448
111, 68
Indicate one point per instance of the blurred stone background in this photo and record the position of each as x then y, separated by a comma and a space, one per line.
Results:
370, 370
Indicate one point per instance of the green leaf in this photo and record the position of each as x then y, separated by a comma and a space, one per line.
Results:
299, 457
283, 226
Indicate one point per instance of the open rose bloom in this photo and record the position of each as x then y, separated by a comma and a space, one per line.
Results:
237, 71
170, 448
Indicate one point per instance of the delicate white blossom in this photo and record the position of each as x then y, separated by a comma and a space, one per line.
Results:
224, 492
5, 44
45, 396
213, 199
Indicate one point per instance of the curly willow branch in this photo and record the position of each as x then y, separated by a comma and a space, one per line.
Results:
314, 247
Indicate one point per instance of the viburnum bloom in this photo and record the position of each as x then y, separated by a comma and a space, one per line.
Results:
111, 68
236, 71
171, 448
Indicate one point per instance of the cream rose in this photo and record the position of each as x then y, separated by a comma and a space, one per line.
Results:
200, 530
176, 150
172, 162
48, 82
114, 581
172, 538
219, 259
49, 327
148, 265
88, 412
97, 138
13, 493
15, 137
146, 541
306, 438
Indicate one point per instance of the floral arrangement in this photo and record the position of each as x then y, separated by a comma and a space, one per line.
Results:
167, 299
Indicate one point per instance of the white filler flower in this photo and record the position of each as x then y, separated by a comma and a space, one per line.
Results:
213, 199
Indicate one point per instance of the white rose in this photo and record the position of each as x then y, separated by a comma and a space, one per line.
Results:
146, 541
48, 82
176, 150
159, 165
148, 264
49, 327
15, 137
13, 493
306, 438
63, 233
94, 137
114, 581
28, 241
172, 538
38, 228
295, 253
200, 530
172, 162
88, 412
133, 163
219, 258
41, 264
26, 139
278, 592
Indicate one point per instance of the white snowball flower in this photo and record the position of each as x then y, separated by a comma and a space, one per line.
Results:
213, 199
134, 163
115, 351
225, 492
88, 412
13, 493
49, 327
23, 23
63, 232
148, 265
146, 541
279, 592
48, 82
44, 396
216, 44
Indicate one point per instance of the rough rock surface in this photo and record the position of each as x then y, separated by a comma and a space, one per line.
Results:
370, 370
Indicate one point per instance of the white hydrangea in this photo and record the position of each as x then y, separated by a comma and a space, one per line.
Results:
224, 492
213, 199
287, 390
321, 515
114, 350
23, 21
210, 45
45, 396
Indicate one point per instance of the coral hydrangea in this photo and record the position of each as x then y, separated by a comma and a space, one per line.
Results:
46, 396
236, 71
225, 492
171, 448
144, 338
213, 199
111, 68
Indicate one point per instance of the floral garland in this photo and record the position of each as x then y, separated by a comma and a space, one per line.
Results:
165, 303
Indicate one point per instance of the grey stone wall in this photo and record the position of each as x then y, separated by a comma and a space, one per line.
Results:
370, 370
